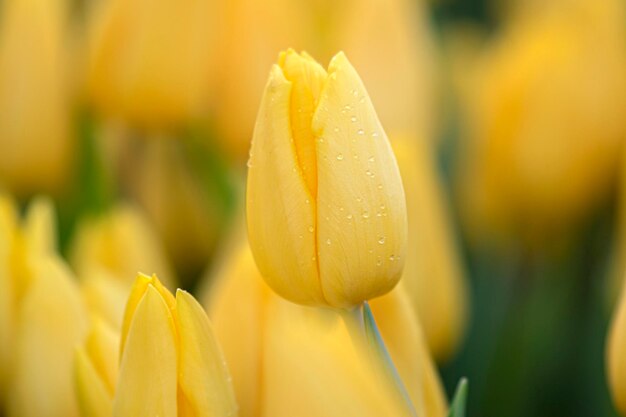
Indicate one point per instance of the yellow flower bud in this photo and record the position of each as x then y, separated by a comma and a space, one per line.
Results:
171, 364
50, 323
433, 273
95, 370
295, 360
149, 63
616, 355
544, 121
325, 204
35, 134
121, 242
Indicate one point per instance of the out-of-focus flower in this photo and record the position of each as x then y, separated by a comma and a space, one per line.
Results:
149, 63
325, 205
187, 218
121, 242
381, 37
39, 298
96, 369
302, 360
35, 137
433, 275
105, 295
544, 120
171, 364
616, 355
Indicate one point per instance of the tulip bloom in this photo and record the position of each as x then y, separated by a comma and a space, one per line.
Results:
545, 124
170, 364
35, 132
325, 205
120, 242
149, 63
402, 45
616, 355
39, 297
303, 361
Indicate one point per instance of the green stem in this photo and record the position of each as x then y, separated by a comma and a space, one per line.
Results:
362, 327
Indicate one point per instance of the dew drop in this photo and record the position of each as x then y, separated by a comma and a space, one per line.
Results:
307, 201
349, 217
353, 119
340, 157
360, 132
392, 258
359, 199
311, 229
336, 129
379, 186
375, 134
383, 207
328, 242
381, 240
362, 99
355, 92
379, 262
371, 159
370, 251
355, 156
366, 214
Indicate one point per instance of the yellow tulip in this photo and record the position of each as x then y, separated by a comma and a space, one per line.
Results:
50, 322
35, 138
105, 295
121, 242
170, 361
381, 37
22, 244
148, 63
545, 120
96, 370
616, 355
325, 204
304, 361
433, 275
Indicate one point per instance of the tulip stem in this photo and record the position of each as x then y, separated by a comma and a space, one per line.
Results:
360, 322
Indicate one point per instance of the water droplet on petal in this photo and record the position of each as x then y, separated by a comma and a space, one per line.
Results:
336, 130
381, 240
392, 258
366, 214
311, 229
340, 157
371, 159
353, 119
360, 132
349, 217
375, 134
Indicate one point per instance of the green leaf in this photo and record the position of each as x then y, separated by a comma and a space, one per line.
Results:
457, 408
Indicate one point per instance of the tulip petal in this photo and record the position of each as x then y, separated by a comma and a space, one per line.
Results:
102, 346
51, 323
203, 375
313, 367
142, 283
307, 78
361, 205
147, 377
8, 225
236, 305
93, 397
286, 216
40, 226
106, 296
